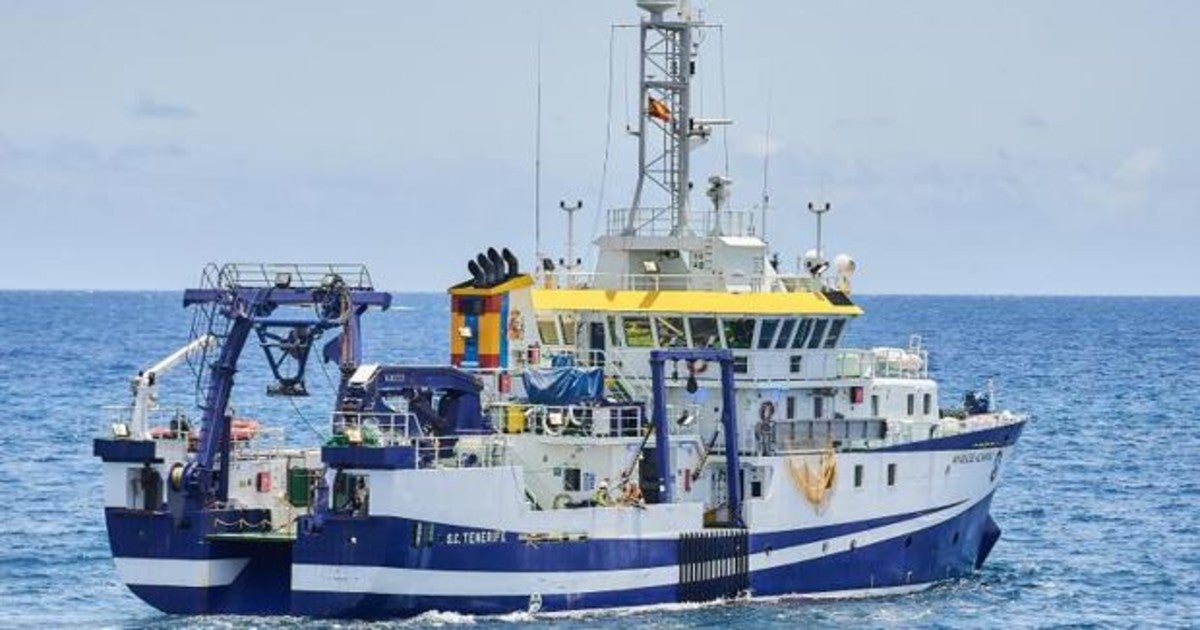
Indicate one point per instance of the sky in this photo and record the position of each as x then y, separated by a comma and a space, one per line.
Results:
989, 147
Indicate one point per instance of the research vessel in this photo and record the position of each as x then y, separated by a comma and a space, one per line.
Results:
681, 424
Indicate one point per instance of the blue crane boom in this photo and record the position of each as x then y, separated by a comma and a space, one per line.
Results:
240, 303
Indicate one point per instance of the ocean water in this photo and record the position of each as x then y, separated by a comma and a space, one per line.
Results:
1100, 506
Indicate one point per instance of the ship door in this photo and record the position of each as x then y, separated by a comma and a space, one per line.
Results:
648, 476
145, 488
596, 343
717, 512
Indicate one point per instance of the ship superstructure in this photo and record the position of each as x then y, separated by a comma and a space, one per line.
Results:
681, 424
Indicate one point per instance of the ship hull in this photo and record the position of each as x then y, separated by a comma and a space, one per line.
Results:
386, 566
911, 560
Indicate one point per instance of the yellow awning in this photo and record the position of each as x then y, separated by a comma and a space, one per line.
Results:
802, 303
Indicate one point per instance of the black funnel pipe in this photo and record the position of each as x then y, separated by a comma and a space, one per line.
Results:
510, 259
489, 273
477, 278
497, 264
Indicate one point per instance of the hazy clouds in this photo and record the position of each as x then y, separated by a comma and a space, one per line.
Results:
985, 147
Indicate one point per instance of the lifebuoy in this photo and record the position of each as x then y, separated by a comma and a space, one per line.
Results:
552, 428
697, 366
766, 411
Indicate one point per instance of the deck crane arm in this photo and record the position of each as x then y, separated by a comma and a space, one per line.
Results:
240, 299
145, 384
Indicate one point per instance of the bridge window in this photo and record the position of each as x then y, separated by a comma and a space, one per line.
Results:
858, 475
817, 333
739, 333
766, 333
912, 404
637, 332
835, 331
802, 333
928, 403
569, 324
548, 331
891, 474
785, 333
671, 333
705, 333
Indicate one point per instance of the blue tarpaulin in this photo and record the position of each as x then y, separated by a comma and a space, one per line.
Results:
562, 360
564, 385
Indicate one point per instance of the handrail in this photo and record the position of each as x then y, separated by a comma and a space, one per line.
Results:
591, 421
717, 281
660, 221
293, 275
392, 428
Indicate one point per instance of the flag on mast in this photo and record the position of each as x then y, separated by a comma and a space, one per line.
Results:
658, 109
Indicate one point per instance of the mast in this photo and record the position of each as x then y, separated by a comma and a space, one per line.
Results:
666, 69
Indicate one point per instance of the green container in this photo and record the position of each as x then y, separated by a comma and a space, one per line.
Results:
297, 486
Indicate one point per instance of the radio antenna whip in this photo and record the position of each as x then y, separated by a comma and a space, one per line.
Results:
537, 151
766, 197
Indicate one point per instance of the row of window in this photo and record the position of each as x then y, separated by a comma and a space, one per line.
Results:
926, 404
670, 331
858, 475
818, 402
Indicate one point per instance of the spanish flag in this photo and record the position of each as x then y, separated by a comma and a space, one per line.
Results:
659, 110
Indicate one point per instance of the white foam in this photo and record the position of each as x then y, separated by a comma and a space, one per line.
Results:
438, 618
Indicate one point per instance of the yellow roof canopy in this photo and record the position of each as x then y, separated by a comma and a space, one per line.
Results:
800, 303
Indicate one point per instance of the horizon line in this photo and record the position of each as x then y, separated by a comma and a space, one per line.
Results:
875, 294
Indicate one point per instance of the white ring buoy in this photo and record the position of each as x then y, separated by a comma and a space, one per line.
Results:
549, 428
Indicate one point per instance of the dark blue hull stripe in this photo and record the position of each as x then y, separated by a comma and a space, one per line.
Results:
998, 437
942, 551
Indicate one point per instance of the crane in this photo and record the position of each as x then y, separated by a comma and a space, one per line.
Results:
145, 384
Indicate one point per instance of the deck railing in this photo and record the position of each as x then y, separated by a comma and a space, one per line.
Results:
386, 429
661, 222
290, 275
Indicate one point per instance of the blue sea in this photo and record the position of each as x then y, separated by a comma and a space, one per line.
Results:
1100, 506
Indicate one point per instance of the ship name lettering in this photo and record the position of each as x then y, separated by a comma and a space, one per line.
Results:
474, 537
971, 458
